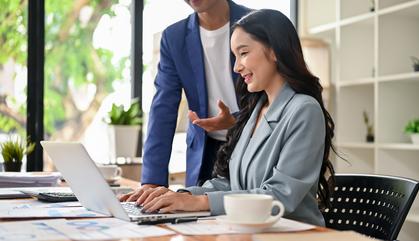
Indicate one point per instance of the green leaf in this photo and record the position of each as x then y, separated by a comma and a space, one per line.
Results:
412, 126
13, 150
119, 116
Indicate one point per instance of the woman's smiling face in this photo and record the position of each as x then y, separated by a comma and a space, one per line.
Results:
254, 61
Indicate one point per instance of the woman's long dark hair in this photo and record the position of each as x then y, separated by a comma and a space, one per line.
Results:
276, 32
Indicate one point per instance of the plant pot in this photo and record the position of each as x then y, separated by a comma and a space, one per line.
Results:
415, 138
123, 140
416, 67
369, 138
12, 166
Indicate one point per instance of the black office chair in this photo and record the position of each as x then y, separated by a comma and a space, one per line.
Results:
373, 205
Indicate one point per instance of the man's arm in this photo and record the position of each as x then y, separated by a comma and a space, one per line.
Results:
162, 119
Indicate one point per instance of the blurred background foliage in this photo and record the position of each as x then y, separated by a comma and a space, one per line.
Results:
72, 63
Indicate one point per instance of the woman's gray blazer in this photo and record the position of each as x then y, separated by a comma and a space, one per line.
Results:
283, 158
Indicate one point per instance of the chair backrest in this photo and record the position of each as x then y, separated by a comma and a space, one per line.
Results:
373, 205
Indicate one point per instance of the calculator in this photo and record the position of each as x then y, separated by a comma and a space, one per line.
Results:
56, 196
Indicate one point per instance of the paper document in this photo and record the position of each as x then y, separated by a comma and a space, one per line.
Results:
314, 236
212, 227
29, 179
22, 192
85, 229
33, 231
11, 193
32, 208
35, 190
33, 203
42, 189
107, 228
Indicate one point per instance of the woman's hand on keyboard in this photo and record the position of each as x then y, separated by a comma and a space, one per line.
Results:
174, 201
134, 195
152, 193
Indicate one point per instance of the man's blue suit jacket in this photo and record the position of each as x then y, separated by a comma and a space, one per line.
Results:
181, 67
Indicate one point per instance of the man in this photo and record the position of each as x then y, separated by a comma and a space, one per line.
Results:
195, 56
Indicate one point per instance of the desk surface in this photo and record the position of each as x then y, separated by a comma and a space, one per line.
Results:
180, 237
223, 237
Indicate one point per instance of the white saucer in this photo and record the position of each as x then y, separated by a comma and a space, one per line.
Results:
113, 180
247, 227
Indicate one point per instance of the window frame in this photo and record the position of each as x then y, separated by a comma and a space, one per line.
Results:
36, 62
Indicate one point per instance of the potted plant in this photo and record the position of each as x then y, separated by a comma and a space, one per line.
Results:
412, 128
124, 127
13, 152
415, 62
368, 125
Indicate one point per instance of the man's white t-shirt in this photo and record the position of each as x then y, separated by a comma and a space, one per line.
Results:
216, 45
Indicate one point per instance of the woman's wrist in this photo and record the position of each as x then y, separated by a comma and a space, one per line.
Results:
203, 203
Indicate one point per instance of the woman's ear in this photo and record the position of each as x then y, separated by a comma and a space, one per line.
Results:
272, 55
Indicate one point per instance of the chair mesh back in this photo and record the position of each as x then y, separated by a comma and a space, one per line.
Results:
370, 204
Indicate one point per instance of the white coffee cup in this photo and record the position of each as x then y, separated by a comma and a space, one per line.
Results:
110, 172
251, 208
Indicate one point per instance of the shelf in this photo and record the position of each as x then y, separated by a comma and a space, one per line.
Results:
398, 7
322, 28
320, 12
373, 72
363, 81
344, 22
330, 23
351, 8
356, 145
398, 103
413, 76
357, 51
405, 77
398, 37
352, 101
357, 19
326, 35
398, 146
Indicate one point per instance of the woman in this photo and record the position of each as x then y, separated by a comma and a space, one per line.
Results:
281, 141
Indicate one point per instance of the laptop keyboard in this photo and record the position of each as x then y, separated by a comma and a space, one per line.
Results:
131, 208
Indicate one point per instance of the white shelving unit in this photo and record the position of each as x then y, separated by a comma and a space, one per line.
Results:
371, 43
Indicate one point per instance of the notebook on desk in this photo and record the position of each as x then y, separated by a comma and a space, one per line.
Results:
91, 189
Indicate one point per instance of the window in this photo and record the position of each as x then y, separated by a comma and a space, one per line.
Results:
87, 68
13, 71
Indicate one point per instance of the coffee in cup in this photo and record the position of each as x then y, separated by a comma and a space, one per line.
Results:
251, 208
110, 172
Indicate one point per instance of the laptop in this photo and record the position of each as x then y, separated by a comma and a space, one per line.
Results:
91, 188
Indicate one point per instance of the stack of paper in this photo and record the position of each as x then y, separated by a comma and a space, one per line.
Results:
29, 179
